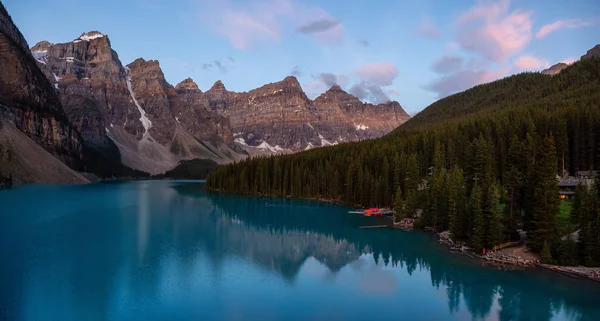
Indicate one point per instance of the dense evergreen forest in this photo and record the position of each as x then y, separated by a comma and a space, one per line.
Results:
482, 163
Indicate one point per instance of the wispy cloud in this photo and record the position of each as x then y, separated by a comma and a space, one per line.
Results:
393, 92
493, 31
220, 66
372, 78
259, 22
380, 73
530, 63
447, 64
318, 26
462, 80
428, 29
564, 24
570, 60
364, 42
496, 33
297, 71
328, 78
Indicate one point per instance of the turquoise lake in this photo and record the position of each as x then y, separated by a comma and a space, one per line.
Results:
167, 250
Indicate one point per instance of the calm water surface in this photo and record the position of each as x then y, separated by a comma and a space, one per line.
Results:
164, 250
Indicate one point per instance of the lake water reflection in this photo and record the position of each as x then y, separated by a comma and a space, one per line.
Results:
157, 250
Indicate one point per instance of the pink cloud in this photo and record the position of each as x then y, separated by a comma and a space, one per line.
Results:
428, 29
530, 63
263, 21
393, 92
570, 60
371, 80
315, 87
563, 24
379, 73
451, 46
463, 80
493, 31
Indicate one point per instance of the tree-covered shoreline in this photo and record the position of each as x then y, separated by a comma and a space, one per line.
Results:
482, 163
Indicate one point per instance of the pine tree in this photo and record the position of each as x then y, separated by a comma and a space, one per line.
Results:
483, 154
349, 183
476, 213
457, 220
545, 201
514, 184
546, 254
399, 213
493, 214
567, 252
397, 171
386, 192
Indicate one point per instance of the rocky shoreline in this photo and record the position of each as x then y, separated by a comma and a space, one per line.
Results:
499, 258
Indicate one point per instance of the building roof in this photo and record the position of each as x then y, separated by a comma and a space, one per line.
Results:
574, 181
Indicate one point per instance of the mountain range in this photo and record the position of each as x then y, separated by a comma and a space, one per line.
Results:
153, 125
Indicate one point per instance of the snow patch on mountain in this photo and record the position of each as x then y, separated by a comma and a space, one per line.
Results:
144, 119
324, 142
240, 141
361, 127
88, 37
265, 146
41, 56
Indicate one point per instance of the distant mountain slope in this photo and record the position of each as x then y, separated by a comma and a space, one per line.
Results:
525, 89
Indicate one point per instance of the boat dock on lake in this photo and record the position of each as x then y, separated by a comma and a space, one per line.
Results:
373, 212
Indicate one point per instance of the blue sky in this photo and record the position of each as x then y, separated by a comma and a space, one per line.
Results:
411, 51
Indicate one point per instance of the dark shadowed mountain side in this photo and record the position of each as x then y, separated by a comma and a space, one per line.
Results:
26, 161
506, 138
190, 169
28, 100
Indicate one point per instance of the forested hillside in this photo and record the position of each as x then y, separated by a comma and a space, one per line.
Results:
459, 160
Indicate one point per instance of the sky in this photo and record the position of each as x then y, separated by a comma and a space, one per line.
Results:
414, 52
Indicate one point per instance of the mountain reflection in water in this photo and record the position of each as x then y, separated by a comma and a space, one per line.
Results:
167, 250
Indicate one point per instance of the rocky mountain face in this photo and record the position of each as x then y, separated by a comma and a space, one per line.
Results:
594, 52
129, 111
133, 112
336, 106
28, 100
279, 116
555, 69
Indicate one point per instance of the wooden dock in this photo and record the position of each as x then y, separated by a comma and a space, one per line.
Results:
374, 226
